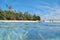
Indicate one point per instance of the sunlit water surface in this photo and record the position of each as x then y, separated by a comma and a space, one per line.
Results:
29, 31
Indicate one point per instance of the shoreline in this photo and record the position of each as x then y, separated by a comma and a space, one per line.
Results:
25, 21
17, 21
51, 21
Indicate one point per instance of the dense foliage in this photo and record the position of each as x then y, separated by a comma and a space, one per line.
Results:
13, 15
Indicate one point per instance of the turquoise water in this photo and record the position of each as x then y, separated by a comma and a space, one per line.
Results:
29, 31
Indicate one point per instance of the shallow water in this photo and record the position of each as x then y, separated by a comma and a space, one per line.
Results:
29, 31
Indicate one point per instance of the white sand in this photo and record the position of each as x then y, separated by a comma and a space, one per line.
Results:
16, 21
24, 21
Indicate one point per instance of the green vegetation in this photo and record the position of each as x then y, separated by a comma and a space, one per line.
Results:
13, 15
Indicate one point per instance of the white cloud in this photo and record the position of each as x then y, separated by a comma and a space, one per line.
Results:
52, 11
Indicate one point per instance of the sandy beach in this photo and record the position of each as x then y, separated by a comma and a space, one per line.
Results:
17, 21
24, 21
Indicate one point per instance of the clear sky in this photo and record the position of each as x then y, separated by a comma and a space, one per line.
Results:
47, 9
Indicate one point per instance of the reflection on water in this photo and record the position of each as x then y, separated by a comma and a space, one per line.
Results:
29, 31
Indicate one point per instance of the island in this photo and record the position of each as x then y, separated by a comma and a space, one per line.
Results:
14, 15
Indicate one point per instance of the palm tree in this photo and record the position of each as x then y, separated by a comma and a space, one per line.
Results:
8, 6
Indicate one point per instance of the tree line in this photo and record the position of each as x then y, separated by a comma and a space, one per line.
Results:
13, 15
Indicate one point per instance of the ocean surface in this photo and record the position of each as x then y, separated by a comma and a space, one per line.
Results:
29, 31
